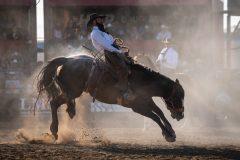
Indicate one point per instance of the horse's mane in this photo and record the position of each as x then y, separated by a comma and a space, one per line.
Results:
147, 71
151, 74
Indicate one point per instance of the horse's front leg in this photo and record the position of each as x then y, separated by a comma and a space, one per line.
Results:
144, 109
55, 104
159, 112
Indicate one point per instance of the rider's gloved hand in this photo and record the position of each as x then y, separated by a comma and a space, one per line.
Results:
126, 54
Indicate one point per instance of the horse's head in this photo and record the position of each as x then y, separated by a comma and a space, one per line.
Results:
175, 101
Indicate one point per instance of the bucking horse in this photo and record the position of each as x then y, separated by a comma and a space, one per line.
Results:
66, 78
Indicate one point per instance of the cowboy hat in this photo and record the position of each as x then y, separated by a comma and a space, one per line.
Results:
93, 17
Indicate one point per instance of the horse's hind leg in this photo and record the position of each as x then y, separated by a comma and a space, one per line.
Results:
71, 108
55, 104
71, 105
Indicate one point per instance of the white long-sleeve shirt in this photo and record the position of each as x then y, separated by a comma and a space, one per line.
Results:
102, 41
168, 58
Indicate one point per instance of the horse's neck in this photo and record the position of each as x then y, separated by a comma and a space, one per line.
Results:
154, 83
164, 86
161, 86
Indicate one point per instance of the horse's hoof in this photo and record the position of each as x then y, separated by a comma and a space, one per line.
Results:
71, 115
170, 139
172, 132
55, 137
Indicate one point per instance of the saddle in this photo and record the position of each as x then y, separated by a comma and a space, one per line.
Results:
100, 70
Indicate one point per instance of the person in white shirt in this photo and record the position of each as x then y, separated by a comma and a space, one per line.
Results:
168, 58
164, 33
104, 43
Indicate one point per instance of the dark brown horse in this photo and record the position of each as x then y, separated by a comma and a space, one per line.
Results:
65, 79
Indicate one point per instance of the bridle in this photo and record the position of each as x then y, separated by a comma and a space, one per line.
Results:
169, 100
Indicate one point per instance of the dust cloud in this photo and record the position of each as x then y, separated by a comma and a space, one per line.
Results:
204, 122
211, 97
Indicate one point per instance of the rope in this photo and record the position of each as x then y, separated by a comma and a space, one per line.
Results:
95, 55
119, 43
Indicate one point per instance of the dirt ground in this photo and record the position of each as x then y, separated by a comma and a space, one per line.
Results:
121, 144
115, 151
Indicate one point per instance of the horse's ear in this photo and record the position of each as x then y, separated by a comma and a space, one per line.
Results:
177, 81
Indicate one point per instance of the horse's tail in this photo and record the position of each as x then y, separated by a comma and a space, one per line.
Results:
47, 78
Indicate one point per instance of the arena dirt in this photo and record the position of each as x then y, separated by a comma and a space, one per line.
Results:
121, 144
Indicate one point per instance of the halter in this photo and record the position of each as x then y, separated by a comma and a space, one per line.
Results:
171, 97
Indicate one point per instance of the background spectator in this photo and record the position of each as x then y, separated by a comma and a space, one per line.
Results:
168, 59
164, 33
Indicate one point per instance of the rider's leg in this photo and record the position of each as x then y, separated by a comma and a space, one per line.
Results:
117, 62
120, 67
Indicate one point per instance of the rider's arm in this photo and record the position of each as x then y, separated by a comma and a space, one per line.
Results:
103, 42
